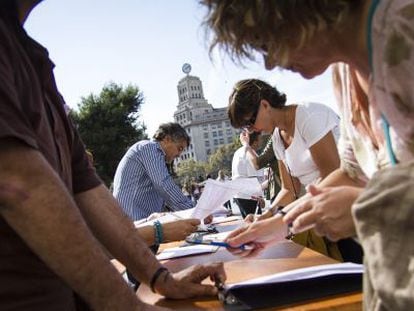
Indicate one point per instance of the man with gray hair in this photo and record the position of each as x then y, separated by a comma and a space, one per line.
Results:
142, 183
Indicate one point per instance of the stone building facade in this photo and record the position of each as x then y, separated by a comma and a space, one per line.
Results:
208, 127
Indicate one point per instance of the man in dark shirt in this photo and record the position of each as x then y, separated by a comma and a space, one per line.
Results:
56, 217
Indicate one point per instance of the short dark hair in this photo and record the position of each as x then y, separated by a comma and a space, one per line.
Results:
246, 96
174, 130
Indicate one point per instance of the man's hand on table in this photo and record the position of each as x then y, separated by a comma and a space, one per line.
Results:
187, 283
179, 229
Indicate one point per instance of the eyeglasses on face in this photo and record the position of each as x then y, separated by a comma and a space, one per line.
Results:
248, 124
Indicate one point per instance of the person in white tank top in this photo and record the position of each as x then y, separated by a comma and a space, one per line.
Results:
304, 136
304, 142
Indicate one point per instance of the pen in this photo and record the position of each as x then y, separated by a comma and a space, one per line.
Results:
227, 245
217, 243
256, 212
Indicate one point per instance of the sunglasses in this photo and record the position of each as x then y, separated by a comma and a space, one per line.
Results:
248, 124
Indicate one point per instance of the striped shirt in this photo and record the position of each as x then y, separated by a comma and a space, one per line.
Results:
142, 183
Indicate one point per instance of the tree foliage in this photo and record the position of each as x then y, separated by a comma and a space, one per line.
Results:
108, 124
220, 160
189, 169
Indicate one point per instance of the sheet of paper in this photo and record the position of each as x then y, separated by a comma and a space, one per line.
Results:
176, 252
304, 273
217, 237
167, 217
222, 219
216, 193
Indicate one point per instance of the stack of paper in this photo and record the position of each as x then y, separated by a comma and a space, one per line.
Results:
176, 252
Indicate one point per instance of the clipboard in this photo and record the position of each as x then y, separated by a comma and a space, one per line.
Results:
294, 286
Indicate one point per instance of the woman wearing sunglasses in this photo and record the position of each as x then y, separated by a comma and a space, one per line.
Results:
304, 135
304, 141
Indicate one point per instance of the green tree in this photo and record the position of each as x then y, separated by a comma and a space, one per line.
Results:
108, 124
188, 169
222, 158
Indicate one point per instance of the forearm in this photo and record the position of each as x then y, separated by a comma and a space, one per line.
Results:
336, 178
283, 198
117, 232
252, 156
339, 178
38, 207
147, 234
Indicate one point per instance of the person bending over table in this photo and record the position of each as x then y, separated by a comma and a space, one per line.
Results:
56, 216
142, 182
303, 135
304, 142
374, 38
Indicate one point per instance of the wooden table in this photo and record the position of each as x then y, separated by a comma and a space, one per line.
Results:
281, 257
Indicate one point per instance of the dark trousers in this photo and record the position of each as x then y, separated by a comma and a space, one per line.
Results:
350, 250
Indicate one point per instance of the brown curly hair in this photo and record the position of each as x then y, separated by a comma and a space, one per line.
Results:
244, 27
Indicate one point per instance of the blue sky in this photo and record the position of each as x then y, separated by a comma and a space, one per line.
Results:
145, 43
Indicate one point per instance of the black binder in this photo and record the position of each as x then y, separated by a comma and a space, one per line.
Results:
256, 296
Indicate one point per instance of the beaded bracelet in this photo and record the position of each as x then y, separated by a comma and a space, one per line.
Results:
155, 277
158, 232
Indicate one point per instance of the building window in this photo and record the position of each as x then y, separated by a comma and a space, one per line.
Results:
205, 135
215, 142
221, 141
220, 133
214, 134
229, 140
207, 143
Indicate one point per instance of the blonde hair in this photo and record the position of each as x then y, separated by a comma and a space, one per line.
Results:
243, 27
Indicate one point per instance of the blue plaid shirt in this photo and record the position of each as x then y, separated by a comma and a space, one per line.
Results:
142, 183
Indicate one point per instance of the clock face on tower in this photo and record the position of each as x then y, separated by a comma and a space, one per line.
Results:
186, 68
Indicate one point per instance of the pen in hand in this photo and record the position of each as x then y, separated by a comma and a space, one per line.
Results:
217, 243
256, 213
227, 245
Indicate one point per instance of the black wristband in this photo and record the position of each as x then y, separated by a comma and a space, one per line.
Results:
156, 276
